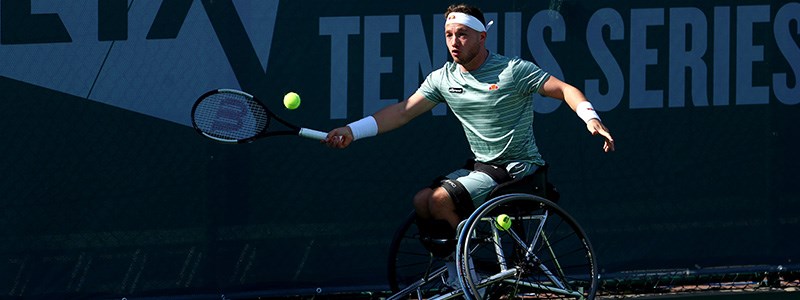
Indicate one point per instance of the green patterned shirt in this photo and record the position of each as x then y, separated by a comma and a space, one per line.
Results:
493, 104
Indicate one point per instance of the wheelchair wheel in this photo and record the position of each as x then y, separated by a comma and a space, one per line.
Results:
411, 268
544, 254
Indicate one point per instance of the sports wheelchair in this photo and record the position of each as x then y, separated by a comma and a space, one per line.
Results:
545, 254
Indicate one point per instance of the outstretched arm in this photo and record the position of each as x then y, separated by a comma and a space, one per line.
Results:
386, 119
555, 88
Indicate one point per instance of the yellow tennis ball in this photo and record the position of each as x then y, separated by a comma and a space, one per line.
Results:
503, 222
291, 100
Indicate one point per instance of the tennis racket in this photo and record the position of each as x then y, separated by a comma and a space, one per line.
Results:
236, 117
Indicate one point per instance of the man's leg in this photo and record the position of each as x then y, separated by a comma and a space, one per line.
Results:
453, 198
437, 235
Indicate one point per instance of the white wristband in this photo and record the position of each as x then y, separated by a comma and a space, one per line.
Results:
364, 128
586, 112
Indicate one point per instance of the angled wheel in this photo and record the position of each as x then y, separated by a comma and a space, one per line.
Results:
544, 253
411, 268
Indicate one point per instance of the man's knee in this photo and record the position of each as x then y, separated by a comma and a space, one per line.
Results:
440, 200
421, 200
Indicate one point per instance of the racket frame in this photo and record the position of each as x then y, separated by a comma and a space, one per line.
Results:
264, 132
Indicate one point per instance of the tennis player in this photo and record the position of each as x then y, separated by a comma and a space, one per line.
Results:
491, 96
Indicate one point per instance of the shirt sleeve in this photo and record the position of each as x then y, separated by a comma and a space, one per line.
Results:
531, 77
430, 87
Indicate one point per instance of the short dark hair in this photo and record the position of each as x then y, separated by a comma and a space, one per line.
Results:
467, 9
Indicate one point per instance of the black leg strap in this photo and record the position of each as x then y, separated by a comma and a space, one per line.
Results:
460, 196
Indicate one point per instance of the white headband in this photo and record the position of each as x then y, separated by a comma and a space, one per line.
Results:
469, 21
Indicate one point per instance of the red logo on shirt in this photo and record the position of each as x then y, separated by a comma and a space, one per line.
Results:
493, 87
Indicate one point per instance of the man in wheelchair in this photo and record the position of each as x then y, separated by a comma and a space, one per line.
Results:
490, 94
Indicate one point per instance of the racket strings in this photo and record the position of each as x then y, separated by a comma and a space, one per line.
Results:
230, 116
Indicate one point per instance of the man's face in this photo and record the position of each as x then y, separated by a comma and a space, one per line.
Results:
464, 43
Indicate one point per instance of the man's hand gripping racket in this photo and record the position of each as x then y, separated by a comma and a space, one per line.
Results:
235, 117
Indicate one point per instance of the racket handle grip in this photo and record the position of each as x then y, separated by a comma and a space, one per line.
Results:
312, 134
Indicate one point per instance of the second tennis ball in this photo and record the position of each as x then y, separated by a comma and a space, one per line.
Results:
291, 100
503, 222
